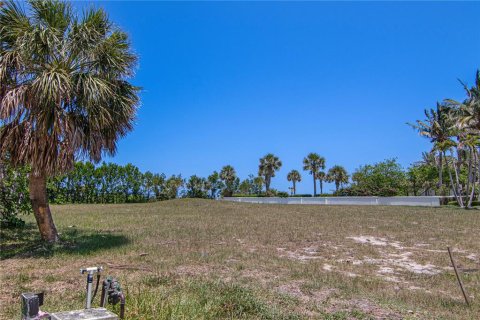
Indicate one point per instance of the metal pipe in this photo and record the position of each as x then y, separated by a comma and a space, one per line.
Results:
103, 298
122, 305
90, 271
88, 305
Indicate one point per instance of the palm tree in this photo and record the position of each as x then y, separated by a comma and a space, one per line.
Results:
313, 163
267, 167
337, 174
229, 176
469, 110
294, 176
467, 117
63, 92
438, 128
321, 177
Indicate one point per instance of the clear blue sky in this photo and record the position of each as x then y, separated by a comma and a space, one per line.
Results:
226, 83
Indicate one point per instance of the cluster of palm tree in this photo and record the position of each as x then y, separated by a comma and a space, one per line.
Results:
267, 169
314, 164
453, 128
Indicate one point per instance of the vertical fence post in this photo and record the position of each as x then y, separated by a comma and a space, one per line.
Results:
458, 277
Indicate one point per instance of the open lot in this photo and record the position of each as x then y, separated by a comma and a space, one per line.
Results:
203, 259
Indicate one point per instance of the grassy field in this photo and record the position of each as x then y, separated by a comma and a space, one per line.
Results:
201, 259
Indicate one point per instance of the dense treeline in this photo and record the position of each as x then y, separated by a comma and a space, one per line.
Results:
111, 183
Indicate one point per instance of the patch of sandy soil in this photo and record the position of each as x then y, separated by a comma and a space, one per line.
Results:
394, 257
376, 241
473, 257
393, 262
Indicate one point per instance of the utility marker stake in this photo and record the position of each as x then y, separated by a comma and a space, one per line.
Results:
458, 277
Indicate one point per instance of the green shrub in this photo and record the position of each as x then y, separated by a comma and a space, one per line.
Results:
271, 193
14, 196
241, 195
282, 194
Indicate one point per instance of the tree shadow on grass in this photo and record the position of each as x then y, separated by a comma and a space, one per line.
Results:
26, 243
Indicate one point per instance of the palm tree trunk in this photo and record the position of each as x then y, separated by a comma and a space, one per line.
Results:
440, 173
473, 159
456, 166
452, 183
314, 185
470, 178
294, 188
337, 185
478, 174
41, 210
321, 186
472, 193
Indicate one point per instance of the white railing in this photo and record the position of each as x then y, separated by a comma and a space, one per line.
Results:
422, 201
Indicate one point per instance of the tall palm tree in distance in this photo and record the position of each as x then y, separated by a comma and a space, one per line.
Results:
267, 167
313, 163
321, 177
228, 176
337, 174
63, 92
294, 176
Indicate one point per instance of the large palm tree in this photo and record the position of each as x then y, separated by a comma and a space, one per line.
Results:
467, 117
294, 176
339, 175
267, 167
313, 163
63, 92
437, 127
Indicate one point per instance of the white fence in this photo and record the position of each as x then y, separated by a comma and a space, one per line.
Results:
367, 201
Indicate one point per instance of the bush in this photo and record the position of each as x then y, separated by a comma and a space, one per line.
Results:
11, 221
271, 193
305, 195
14, 197
282, 194
384, 179
362, 191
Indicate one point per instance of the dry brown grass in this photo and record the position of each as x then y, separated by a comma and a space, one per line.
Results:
327, 262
